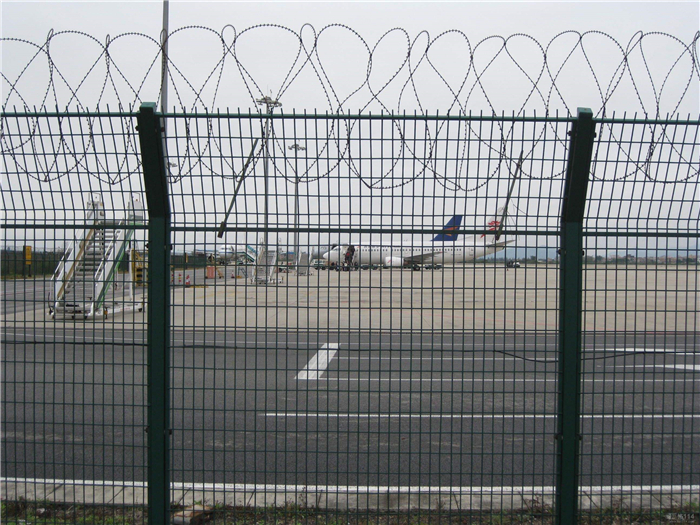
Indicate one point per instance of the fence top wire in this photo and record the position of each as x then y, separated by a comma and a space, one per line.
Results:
615, 118
20, 129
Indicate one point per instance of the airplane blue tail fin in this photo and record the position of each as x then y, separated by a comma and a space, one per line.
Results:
449, 233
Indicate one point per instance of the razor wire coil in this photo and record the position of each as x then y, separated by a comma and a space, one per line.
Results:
543, 87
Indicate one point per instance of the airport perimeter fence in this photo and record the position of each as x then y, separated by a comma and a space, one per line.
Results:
538, 363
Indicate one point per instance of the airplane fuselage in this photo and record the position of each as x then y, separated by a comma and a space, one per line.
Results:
447, 247
402, 255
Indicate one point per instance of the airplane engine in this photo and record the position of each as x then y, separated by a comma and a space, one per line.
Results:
395, 262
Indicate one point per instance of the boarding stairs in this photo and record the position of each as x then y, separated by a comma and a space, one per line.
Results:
303, 264
84, 280
265, 267
251, 253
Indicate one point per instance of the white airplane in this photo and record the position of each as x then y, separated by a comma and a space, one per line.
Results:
444, 248
318, 251
229, 251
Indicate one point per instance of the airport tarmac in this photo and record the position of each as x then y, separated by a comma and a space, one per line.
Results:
281, 390
471, 297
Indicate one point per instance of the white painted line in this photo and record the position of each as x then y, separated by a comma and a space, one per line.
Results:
678, 353
461, 359
330, 415
684, 367
369, 489
493, 380
318, 363
678, 367
642, 350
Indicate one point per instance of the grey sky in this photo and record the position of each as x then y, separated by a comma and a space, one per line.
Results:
268, 53
32, 20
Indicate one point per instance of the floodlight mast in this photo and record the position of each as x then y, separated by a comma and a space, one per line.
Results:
270, 104
164, 59
297, 148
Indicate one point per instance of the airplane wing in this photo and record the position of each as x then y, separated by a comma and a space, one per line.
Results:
500, 244
420, 258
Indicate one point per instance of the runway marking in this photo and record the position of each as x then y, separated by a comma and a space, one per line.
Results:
492, 379
464, 359
369, 489
318, 363
644, 350
678, 367
684, 367
330, 415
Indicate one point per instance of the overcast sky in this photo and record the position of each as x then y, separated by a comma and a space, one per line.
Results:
268, 54
33, 19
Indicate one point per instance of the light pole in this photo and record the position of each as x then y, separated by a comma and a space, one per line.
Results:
164, 58
270, 105
297, 148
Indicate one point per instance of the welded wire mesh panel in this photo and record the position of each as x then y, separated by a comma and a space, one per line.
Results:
411, 367
640, 450
73, 344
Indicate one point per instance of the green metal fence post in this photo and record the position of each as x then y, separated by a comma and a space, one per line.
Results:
150, 127
570, 306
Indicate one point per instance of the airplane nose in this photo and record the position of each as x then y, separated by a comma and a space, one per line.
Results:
325, 256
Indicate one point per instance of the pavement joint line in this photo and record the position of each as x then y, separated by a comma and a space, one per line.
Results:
318, 364
641, 350
477, 347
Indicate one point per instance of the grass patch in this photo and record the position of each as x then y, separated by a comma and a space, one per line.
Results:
43, 512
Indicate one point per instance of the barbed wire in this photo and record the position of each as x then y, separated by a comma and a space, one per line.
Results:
651, 75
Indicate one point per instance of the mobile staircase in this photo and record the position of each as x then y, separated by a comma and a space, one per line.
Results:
84, 280
303, 264
265, 267
244, 260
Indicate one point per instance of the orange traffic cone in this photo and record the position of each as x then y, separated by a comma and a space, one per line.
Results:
187, 280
